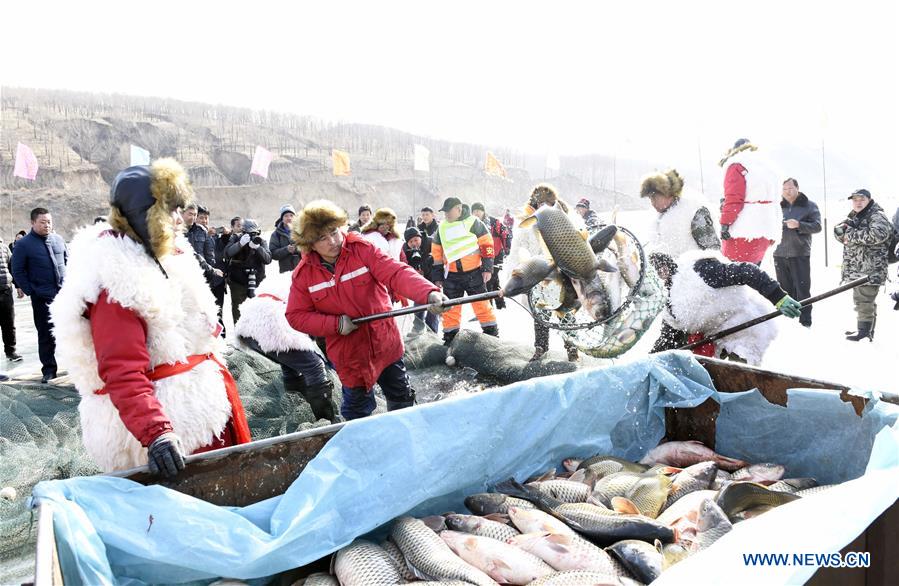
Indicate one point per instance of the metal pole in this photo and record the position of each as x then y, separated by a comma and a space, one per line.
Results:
701, 177
773, 314
824, 175
416, 308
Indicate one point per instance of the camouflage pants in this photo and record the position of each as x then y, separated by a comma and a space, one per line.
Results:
865, 307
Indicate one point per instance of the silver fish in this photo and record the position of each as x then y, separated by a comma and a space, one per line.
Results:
566, 491
487, 503
713, 524
578, 578
480, 526
567, 552
365, 563
692, 478
430, 557
398, 560
503, 562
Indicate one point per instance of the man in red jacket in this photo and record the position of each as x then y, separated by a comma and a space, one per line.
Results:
342, 276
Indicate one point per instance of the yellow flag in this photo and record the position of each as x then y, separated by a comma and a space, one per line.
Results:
341, 162
493, 167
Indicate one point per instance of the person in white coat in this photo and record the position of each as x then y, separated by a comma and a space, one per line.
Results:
263, 327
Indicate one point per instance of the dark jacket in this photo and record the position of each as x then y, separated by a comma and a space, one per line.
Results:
427, 235
277, 245
6, 281
798, 242
717, 274
242, 257
419, 260
204, 247
39, 264
592, 222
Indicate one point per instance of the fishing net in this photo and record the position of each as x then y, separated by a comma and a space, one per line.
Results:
40, 439
634, 306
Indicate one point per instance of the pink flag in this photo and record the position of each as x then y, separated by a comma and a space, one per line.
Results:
26, 163
261, 160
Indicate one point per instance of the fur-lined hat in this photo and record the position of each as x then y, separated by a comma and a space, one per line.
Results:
318, 218
543, 193
382, 216
742, 144
669, 183
142, 200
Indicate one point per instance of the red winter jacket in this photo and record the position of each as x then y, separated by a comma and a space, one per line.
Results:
734, 193
120, 344
358, 287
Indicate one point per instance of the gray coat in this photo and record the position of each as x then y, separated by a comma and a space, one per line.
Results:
798, 241
867, 236
5, 274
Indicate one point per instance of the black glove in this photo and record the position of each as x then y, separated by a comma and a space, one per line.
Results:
725, 232
895, 297
164, 456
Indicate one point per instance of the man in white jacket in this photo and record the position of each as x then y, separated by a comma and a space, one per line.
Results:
263, 327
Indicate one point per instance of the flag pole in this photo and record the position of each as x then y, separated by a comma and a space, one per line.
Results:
824, 177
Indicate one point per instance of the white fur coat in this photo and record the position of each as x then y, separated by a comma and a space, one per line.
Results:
181, 318
263, 319
696, 307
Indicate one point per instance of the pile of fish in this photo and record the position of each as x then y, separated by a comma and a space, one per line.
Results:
602, 520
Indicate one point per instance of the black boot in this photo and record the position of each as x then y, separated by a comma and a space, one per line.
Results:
865, 330
491, 330
318, 396
571, 349
539, 351
408, 402
448, 337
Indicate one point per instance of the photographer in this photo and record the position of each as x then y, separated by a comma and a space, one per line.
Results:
247, 255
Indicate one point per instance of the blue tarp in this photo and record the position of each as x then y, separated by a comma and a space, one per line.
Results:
424, 460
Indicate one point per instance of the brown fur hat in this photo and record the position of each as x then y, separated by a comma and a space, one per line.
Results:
381, 216
171, 189
318, 218
544, 193
669, 183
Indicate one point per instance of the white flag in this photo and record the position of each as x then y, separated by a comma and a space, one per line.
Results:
422, 156
261, 160
139, 156
552, 162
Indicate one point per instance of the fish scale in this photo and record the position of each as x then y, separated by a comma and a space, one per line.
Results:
431, 556
563, 490
501, 561
490, 502
398, 560
577, 578
566, 244
649, 494
617, 484
321, 579
481, 526
568, 552
697, 477
793, 485
713, 524
364, 562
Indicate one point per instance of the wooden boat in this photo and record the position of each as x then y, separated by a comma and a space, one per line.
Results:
246, 474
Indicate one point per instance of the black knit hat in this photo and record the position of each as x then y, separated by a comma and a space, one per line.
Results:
477, 206
411, 233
